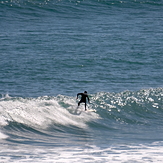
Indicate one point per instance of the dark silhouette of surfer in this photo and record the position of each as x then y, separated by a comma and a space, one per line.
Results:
84, 97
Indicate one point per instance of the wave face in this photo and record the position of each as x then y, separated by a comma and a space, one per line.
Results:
139, 107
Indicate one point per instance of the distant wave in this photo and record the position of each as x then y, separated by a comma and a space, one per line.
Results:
84, 5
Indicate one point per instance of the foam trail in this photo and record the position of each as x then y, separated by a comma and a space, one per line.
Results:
3, 136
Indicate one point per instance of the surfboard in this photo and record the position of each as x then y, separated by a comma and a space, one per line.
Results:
91, 110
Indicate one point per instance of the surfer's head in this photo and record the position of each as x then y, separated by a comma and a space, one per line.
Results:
85, 91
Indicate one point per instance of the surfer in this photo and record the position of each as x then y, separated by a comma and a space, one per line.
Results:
83, 98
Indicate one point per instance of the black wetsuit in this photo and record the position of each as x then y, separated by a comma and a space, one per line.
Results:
83, 98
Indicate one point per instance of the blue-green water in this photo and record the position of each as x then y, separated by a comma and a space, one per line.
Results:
51, 50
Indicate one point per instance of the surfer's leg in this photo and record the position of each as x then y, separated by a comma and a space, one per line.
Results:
79, 103
85, 106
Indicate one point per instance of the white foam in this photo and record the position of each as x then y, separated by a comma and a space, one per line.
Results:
3, 136
91, 154
42, 112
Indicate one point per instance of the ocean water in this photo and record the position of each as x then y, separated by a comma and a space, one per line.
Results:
50, 50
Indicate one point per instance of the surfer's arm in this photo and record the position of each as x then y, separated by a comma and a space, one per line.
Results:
88, 99
78, 95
